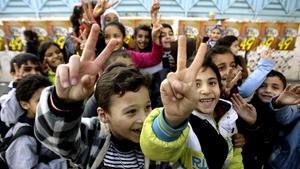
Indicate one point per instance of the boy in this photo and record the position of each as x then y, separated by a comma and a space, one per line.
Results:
21, 65
26, 151
285, 153
123, 104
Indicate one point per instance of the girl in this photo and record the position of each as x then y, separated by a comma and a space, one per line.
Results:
190, 129
142, 38
116, 30
50, 56
215, 33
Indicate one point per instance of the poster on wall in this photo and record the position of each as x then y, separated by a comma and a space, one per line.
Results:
233, 28
287, 36
191, 28
14, 33
270, 35
40, 28
2, 39
58, 31
250, 35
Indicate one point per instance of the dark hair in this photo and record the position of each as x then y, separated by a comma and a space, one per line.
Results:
30, 84
118, 79
119, 25
227, 40
77, 13
218, 49
31, 35
165, 25
115, 55
23, 58
208, 64
147, 29
44, 47
275, 73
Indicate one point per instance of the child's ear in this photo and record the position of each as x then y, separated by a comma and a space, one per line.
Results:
24, 105
102, 115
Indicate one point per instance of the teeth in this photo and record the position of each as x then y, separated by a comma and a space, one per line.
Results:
206, 100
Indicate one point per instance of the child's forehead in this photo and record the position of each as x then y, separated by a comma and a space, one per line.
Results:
30, 63
274, 80
206, 72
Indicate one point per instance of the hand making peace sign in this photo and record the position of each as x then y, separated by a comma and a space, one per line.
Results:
75, 80
178, 89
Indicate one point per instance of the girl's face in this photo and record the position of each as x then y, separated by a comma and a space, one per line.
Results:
235, 47
109, 18
208, 90
215, 34
142, 39
167, 37
112, 32
270, 88
127, 114
224, 62
53, 57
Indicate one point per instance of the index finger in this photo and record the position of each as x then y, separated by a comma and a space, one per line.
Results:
88, 52
181, 53
105, 54
198, 60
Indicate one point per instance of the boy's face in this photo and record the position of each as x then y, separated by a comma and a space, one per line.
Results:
215, 34
31, 104
142, 39
270, 88
167, 37
208, 90
224, 62
127, 114
26, 69
112, 32
54, 57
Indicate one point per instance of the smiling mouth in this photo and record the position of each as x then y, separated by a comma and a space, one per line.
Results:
137, 131
206, 100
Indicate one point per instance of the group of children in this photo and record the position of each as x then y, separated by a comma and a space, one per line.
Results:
94, 110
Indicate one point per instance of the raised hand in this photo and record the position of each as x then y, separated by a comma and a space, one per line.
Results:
178, 89
102, 6
233, 76
290, 96
154, 11
75, 80
246, 111
156, 26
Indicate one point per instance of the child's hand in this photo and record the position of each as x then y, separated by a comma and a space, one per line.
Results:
178, 89
233, 76
290, 96
238, 140
246, 111
102, 6
156, 26
75, 80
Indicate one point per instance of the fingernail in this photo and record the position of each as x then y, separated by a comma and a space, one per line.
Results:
174, 99
74, 81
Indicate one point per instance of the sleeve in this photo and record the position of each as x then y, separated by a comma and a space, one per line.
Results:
58, 127
147, 59
286, 114
237, 159
171, 149
22, 153
256, 78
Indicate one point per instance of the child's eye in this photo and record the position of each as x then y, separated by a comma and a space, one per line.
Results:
131, 111
221, 68
198, 84
148, 107
213, 83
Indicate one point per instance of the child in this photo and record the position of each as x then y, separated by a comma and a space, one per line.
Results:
142, 38
216, 32
189, 129
21, 65
123, 104
51, 56
285, 153
116, 30
262, 135
26, 151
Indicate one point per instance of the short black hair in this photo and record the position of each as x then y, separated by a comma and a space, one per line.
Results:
218, 49
275, 73
28, 85
23, 58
